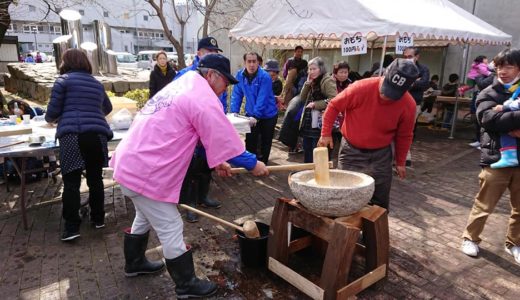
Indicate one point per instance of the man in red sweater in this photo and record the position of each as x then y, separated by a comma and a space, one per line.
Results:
378, 111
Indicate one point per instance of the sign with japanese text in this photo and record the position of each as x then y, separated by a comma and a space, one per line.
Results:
403, 42
353, 45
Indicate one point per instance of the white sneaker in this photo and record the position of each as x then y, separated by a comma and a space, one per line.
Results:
515, 251
475, 144
469, 248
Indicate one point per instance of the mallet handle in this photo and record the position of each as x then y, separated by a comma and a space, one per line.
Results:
292, 167
212, 217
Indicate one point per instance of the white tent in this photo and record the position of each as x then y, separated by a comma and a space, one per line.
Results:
291, 22
323, 24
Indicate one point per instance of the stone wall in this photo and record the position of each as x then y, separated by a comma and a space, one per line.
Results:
35, 81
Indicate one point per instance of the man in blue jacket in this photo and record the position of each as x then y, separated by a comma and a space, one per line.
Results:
206, 45
255, 85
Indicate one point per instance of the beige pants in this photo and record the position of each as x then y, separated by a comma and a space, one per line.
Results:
493, 183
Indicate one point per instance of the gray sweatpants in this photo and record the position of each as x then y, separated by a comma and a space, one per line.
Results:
374, 162
163, 217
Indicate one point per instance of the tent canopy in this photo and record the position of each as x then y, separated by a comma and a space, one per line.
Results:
292, 22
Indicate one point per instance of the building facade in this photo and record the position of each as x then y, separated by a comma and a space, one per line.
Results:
133, 24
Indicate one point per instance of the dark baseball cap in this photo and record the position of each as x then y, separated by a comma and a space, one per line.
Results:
209, 43
220, 63
272, 65
399, 77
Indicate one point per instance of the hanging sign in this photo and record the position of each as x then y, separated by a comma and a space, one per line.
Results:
353, 45
402, 43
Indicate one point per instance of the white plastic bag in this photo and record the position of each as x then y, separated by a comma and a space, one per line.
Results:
122, 119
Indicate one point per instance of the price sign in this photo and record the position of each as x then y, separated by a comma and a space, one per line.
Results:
403, 42
353, 45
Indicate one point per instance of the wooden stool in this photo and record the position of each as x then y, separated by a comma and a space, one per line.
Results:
342, 236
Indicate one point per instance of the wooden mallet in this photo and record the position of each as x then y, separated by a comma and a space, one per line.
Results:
321, 166
249, 228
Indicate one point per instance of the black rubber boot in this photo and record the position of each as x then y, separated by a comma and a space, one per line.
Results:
187, 285
136, 262
204, 200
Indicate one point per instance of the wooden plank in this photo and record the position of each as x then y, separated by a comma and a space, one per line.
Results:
278, 234
14, 130
319, 226
371, 212
300, 282
338, 259
377, 241
362, 283
451, 100
300, 244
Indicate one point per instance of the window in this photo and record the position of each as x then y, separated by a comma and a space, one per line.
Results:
105, 14
126, 48
32, 8
30, 29
140, 34
10, 28
57, 30
145, 18
82, 12
40, 29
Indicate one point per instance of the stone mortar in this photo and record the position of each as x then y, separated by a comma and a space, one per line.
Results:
348, 193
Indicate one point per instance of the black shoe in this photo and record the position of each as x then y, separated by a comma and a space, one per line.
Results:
136, 262
68, 236
192, 217
408, 163
97, 225
210, 203
188, 285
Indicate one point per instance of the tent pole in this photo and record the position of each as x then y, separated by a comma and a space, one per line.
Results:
383, 52
443, 65
371, 54
462, 71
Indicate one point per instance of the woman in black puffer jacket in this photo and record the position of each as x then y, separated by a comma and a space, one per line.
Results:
161, 75
79, 105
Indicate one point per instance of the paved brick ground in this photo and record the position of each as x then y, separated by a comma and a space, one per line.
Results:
428, 214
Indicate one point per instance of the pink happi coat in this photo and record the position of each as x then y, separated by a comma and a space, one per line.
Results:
153, 158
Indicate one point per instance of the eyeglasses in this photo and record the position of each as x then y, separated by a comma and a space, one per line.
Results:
226, 81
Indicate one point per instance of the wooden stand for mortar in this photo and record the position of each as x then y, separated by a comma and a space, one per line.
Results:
342, 236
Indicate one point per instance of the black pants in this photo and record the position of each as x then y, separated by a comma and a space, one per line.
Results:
290, 125
195, 186
263, 130
309, 143
92, 153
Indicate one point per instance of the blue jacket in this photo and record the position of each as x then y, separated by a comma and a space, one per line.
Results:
79, 104
193, 67
260, 101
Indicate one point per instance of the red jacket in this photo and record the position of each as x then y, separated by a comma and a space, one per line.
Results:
372, 122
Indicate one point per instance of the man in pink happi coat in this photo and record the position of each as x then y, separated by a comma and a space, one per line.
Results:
151, 162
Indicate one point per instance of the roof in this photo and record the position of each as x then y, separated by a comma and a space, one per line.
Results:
294, 22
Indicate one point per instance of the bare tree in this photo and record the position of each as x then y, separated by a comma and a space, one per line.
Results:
158, 6
182, 14
49, 7
5, 18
